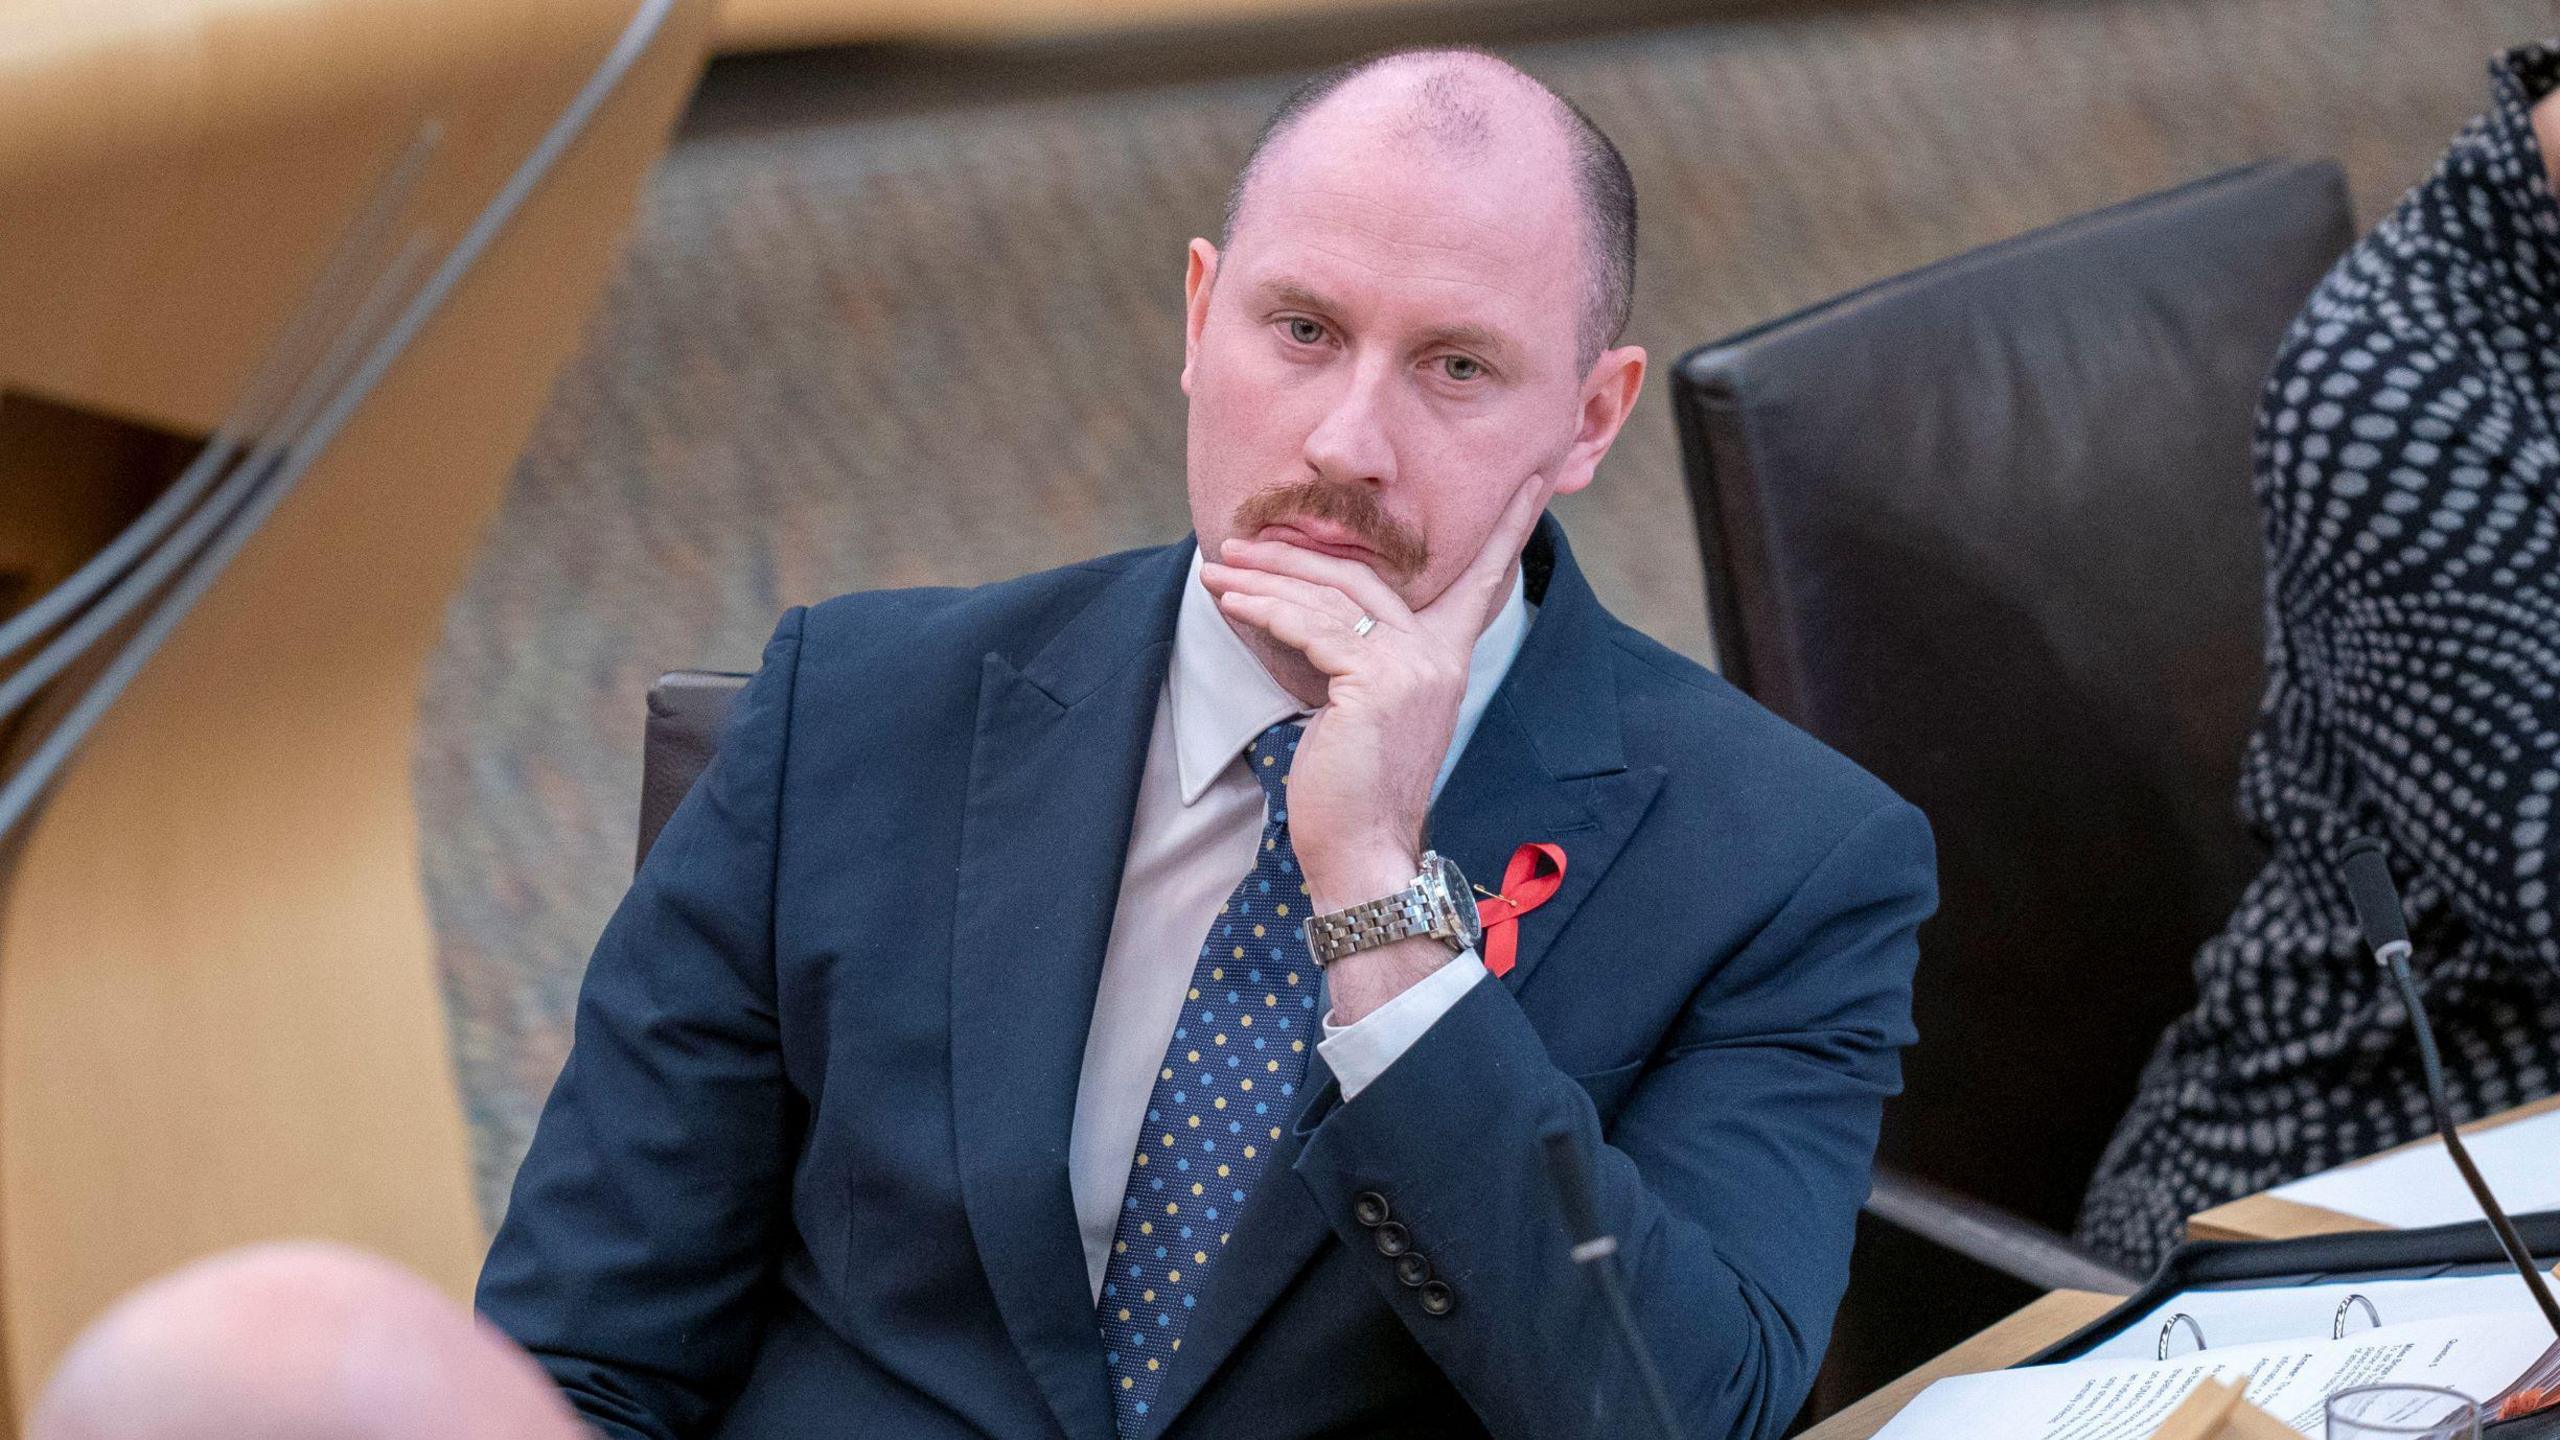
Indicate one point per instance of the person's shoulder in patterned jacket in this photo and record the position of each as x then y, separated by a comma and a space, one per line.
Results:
2408, 468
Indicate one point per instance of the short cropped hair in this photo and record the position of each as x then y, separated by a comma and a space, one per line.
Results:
1445, 115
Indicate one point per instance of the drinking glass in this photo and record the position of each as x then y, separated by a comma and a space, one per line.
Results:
2403, 1412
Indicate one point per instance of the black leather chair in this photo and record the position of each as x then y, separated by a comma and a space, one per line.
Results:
1987, 529
685, 711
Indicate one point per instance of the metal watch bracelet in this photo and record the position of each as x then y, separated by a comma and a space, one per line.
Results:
1420, 908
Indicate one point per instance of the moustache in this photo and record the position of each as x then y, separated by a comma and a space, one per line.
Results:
1399, 549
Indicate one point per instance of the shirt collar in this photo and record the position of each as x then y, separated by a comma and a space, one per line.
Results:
1222, 698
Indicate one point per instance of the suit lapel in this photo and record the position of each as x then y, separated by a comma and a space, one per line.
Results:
1053, 784
1548, 762
1510, 803
1545, 763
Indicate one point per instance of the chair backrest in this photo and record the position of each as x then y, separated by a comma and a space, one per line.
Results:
1987, 529
686, 708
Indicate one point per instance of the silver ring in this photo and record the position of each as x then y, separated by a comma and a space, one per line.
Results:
1367, 624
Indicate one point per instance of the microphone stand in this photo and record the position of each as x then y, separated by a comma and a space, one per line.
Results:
1597, 1254
2386, 932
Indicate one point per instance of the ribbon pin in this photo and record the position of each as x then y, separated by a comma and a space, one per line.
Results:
1531, 879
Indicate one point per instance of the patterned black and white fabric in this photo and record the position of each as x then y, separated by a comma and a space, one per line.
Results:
2408, 468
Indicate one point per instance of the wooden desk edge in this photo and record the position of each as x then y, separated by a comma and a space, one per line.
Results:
2270, 1217
2040, 1324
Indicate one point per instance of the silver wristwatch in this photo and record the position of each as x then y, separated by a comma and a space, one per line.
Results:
1436, 904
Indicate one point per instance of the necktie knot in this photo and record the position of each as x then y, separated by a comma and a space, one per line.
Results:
1270, 755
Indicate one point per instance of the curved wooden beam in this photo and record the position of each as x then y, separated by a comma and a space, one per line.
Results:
751, 25
220, 1019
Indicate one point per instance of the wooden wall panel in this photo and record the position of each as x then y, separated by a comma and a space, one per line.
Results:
747, 25
219, 1012
69, 480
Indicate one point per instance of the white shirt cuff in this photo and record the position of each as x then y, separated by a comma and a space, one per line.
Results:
1361, 1051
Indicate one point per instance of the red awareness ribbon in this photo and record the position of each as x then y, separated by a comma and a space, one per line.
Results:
1532, 878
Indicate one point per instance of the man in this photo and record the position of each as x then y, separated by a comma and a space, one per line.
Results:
299, 1341
906, 1096
957, 1065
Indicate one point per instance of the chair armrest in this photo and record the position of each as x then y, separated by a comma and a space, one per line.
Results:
1991, 1236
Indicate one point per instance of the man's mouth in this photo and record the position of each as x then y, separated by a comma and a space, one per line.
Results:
1320, 537
1341, 521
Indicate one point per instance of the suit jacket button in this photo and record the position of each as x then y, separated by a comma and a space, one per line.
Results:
1393, 1240
1371, 1208
1438, 1299
1413, 1268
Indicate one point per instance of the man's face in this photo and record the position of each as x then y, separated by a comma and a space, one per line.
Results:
1386, 350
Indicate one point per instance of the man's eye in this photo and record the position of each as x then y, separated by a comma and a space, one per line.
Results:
1305, 331
1461, 367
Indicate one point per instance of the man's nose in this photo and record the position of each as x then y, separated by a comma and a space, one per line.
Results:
1353, 443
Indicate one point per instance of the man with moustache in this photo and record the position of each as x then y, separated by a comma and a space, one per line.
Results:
958, 1065
906, 1091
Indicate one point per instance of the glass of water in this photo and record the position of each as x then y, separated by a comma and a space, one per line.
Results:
2403, 1412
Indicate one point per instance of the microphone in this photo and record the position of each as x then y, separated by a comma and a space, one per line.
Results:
2366, 866
2363, 863
1597, 1252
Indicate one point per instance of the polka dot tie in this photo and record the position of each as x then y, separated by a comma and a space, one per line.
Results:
1239, 1054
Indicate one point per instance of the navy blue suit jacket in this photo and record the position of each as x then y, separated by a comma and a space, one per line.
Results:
805, 1172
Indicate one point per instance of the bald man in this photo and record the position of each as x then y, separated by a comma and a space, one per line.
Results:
296, 1342
1139, 999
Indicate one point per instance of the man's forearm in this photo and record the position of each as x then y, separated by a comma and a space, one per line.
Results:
1447, 1145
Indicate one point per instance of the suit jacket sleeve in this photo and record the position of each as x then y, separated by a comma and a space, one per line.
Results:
1732, 1176
643, 1221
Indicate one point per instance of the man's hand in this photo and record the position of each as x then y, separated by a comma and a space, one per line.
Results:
1360, 788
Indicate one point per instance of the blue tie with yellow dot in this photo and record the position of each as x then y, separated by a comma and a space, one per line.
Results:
1239, 1054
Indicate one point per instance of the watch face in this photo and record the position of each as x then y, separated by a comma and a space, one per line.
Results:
1461, 901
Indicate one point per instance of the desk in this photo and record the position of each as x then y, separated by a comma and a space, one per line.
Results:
2041, 1323
2057, 1315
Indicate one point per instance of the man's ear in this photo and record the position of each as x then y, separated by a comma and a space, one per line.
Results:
1198, 276
1608, 393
